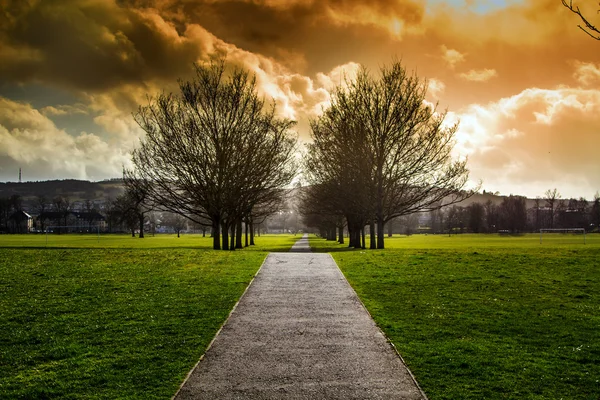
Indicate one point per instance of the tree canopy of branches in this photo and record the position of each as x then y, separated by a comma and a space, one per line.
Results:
215, 150
587, 26
134, 204
380, 152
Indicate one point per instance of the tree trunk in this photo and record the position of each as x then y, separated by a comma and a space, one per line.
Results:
331, 234
246, 234
362, 234
251, 234
372, 236
380, 232
390, 228
141, 217
216, 235
232, 245
177, 232
354, 232
341, 234
225, 235
132, 232
238, 235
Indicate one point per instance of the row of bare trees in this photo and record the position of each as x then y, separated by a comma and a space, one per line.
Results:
379, 151
8, 206
215, 153
514, 214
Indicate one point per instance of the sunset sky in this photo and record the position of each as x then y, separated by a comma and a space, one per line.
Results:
521, 78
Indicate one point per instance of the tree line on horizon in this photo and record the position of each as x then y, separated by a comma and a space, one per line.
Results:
511, 215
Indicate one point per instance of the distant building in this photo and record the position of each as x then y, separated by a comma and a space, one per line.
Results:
20, 222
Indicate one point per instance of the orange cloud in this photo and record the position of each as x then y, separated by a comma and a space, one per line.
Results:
587, 73
451, 56
436, 87
530, 55
535, 140
479, 76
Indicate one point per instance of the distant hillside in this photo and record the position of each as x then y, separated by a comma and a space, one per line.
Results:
76, 190
79, 190
494, 198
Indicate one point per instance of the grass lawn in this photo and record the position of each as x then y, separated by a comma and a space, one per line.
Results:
123, 318
486, 317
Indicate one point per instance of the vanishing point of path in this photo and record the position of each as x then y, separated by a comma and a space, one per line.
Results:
300, 332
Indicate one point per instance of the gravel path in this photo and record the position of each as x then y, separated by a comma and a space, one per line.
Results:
300, 332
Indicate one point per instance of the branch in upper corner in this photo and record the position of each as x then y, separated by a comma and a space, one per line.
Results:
590, 29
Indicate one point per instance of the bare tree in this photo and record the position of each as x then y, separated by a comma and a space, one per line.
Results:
552, 197
111, 210
587, 26
320, 212
41, 206
90, 213
215, 151
491, 216
455, 219
176, 221
409, 223
537, 214
513, 214
61, 205
135, 204
476, 213
8, 205
383, 152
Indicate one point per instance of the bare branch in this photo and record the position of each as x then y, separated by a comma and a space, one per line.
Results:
590, 29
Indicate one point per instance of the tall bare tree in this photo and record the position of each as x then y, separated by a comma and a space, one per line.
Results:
383, 151
176, 221
41, 206
136, 203
214, 151
476, 213
513, 214
552, 198
61, 205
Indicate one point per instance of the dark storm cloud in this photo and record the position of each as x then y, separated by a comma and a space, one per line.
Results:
89, 45
305, 35
96, 45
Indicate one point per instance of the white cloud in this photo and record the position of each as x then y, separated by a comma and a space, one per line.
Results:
436, 87
66, 109
587, 73
534, 140
452, 56
31, 140
482, 75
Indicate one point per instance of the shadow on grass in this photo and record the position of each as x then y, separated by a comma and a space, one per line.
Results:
49, 248
333, 249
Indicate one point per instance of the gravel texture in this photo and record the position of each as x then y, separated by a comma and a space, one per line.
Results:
300, 332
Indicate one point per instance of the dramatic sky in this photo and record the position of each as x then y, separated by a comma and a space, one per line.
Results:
521, 78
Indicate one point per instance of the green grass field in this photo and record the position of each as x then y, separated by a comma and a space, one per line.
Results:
118, 318
486, 316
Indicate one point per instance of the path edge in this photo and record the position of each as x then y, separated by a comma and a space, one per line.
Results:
187, 377
387, 339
